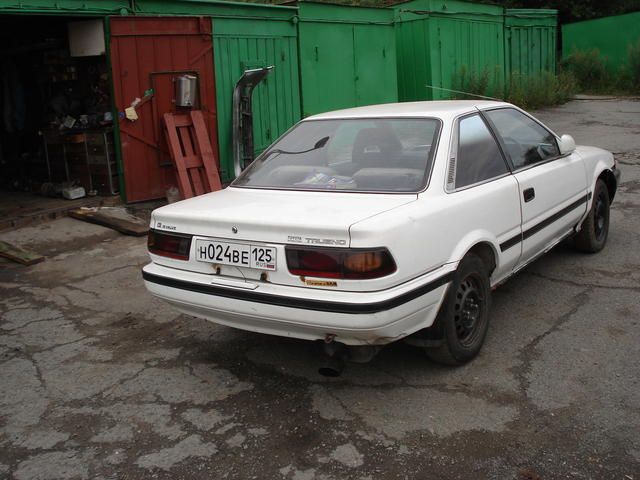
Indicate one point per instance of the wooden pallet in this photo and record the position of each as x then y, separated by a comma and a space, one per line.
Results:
191, 153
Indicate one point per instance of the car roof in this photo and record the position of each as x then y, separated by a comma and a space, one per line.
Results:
438, 109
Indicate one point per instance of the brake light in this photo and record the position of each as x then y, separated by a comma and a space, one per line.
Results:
172, 245
340, 263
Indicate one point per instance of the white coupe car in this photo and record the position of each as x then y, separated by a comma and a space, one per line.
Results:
365, 226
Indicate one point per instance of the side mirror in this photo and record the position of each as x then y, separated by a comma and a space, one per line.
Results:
567, 144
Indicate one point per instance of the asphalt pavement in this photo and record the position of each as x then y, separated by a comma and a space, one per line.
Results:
100, 381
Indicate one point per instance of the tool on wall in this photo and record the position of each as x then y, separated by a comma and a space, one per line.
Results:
243, 117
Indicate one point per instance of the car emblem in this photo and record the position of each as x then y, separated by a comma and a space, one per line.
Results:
234, 229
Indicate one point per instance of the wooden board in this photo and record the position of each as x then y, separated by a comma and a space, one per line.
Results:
113, 217
20, 255
191, 153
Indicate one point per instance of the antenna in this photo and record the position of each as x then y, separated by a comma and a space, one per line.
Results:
464, 93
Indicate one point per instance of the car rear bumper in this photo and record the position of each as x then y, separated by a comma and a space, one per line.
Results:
355, 318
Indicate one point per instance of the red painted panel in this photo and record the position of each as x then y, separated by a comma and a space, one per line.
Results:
147, 53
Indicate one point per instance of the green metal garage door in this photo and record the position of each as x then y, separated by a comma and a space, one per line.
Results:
347, 57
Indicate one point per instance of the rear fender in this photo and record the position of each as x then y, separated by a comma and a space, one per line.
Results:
471, 240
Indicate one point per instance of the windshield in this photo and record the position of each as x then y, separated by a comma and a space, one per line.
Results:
358, 155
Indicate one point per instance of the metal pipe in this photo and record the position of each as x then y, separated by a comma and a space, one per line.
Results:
332, 367
243, 116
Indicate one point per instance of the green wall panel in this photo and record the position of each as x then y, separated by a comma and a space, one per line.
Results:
244, 44
437, 39
347, 57
612, 36
530, 38
219, 9
66, 7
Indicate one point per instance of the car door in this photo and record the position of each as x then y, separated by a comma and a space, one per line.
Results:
484, 194
553, 187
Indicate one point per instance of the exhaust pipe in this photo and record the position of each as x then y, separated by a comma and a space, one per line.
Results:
332, 367
336, 353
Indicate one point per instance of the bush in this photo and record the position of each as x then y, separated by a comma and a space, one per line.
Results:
541, 90
634, 68
590, 71
526, 91
475, 83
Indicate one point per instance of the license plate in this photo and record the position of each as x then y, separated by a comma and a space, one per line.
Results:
237, 254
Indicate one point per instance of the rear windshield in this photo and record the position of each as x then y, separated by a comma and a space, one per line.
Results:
358, 155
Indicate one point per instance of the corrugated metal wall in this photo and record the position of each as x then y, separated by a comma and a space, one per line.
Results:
612, 36
147, 53
476, 45
531, 40
437, 39
347, 57
66, 7
247, 35
329, 57
244, 44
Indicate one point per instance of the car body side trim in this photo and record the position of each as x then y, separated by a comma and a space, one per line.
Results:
543, 224
296, 302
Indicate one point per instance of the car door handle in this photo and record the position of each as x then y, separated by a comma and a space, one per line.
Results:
529, 194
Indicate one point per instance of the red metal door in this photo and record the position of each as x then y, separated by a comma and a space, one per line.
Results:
147, 53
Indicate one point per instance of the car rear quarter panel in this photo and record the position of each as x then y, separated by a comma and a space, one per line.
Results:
440, 228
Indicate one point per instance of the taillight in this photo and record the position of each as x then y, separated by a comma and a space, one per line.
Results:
341, 263
172, 245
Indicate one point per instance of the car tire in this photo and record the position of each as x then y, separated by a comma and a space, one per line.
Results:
464, 315
593, 235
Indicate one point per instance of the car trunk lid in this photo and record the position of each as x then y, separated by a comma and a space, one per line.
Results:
268, 217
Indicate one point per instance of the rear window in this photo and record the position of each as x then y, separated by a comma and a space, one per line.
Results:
358, 155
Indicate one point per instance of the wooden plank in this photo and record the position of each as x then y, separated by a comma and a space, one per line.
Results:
187, 142
199, 187
206, 151
175, 151
18, 254
112, 217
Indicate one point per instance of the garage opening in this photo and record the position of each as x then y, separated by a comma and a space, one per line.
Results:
56, 128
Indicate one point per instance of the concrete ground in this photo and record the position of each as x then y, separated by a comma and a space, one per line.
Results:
100, 381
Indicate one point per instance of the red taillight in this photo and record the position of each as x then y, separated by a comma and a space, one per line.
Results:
172, 245
344, 263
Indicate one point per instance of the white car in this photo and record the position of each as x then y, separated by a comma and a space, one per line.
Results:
370, 225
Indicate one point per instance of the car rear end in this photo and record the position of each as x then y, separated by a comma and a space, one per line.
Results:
281, 278
273, 253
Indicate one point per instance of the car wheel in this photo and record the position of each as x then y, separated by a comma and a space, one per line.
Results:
464, 314
592, 237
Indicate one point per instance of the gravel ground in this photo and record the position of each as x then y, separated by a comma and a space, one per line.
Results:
98, 380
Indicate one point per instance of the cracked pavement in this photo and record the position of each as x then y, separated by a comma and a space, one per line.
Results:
99, 380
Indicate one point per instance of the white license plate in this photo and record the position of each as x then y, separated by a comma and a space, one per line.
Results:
237, 254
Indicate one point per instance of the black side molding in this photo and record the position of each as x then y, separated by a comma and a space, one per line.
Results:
544, 223
295, 302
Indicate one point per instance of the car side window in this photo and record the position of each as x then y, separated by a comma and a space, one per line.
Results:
478, 157
526, 141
